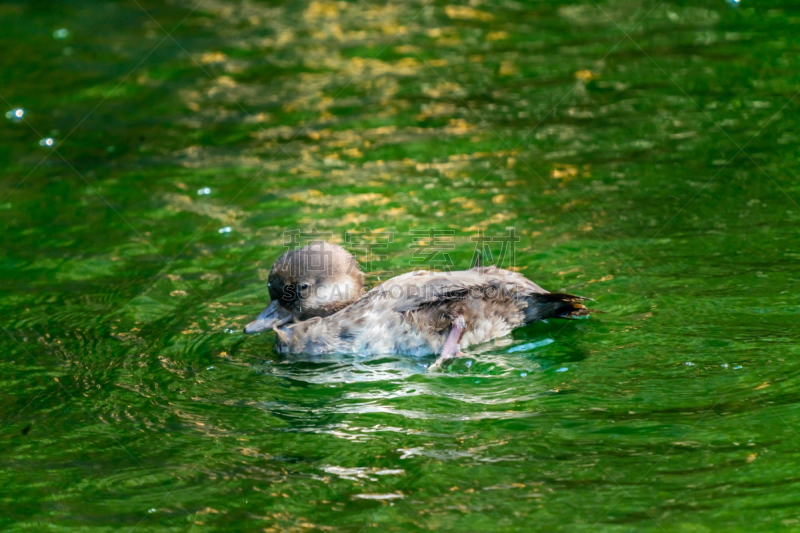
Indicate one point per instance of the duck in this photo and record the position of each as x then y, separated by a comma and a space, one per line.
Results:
319, 306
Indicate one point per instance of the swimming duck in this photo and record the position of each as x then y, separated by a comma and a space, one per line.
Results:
319, 305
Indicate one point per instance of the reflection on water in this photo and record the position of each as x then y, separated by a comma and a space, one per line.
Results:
336, 368
643, 152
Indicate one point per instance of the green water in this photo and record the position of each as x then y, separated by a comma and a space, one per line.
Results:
655, 172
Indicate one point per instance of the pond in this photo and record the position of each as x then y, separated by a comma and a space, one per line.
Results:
158, 157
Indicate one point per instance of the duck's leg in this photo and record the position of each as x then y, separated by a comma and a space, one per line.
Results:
450, 350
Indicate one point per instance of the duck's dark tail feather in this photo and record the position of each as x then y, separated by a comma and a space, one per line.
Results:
559, 305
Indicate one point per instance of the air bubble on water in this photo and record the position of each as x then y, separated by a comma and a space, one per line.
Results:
562, 369
204, 191
151, 510
737, 367
62, 33
468, 363
733, 3
689, 363
522, 375
724, 365
15, 114
47, 141
210, 368
226, 229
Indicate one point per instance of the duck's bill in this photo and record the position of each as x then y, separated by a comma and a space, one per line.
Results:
274, 315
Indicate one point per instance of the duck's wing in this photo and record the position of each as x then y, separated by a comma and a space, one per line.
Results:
420, 289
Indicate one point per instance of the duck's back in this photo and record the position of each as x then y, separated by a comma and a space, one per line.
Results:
412, 314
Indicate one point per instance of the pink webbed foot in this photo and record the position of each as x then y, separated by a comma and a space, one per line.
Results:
451, 350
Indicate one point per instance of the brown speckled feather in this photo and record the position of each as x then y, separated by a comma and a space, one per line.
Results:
412, 313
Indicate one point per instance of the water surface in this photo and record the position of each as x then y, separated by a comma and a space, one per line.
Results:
645, 154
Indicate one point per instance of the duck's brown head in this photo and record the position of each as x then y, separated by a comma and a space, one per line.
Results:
316, 280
